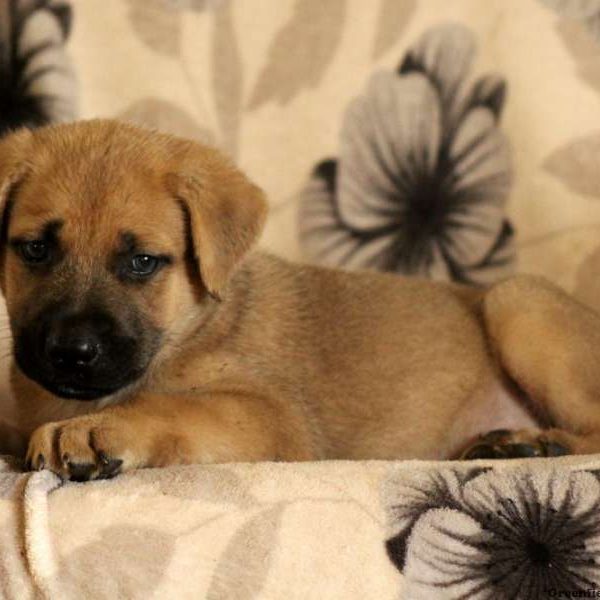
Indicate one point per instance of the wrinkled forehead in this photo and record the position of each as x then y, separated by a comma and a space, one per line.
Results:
93, 202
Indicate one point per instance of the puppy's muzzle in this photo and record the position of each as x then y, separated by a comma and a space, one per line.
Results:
81, 355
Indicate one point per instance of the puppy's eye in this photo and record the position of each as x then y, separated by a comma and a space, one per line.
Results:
143, 265
35, 252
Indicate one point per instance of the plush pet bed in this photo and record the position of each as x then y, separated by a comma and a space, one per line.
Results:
420, 530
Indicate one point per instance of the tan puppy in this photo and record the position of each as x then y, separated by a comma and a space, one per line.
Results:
146, 333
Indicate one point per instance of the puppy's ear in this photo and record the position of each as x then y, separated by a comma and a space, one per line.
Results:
226, 213
13, 161
13, 166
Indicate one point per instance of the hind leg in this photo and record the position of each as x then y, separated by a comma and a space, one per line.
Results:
549, 345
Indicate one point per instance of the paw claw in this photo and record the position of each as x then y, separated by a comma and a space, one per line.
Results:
110, 466
104, 460
80, 471
79, 449
41, 462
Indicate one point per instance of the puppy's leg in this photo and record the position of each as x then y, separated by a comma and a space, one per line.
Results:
549, 344
156, 430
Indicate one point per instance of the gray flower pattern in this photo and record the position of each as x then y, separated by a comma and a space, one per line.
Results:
423, 174
485, 535
37, 80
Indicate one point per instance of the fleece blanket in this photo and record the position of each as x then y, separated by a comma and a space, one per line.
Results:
412, 530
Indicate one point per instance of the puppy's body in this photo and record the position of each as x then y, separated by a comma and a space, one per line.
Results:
259, 359
340, 356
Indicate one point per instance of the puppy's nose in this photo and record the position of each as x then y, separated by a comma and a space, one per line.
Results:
72, 352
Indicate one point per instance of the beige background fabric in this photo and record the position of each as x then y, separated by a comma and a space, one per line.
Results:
269, 81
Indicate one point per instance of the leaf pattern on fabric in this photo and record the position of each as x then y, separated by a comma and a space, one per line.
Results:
244, 564
159, 29
497, 534
227, 79
166, 116
220, 485
576, 9
576, 165
585, 11
584, 50
301, 52
136, 574
421, 182
394, 16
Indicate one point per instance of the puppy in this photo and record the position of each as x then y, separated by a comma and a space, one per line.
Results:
148, 333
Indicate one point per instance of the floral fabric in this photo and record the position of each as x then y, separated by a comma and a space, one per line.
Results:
526, 530
443, 138
480, 534
421, 183
37, 83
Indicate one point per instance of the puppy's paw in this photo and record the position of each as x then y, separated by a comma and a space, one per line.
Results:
80, 449
525, 443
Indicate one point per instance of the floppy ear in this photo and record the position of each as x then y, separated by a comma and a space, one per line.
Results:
226, 212
13, 165
13, 162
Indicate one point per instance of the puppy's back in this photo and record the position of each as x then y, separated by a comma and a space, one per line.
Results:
361, 347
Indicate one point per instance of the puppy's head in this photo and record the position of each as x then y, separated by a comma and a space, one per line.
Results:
110, 237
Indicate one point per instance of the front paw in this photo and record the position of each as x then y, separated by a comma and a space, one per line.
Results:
79, 449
